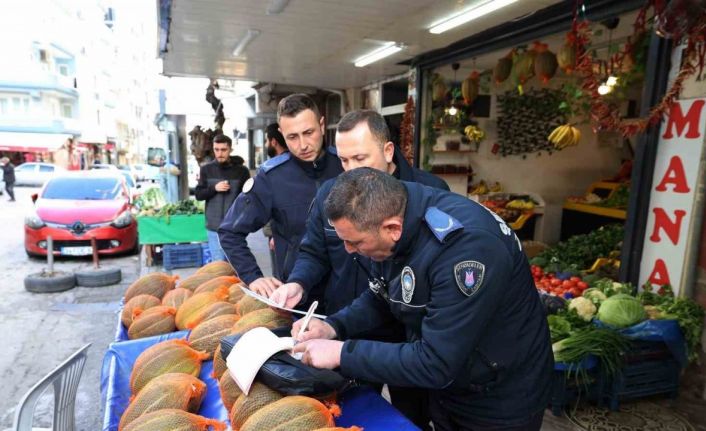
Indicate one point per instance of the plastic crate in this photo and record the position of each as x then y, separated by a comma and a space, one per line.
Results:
567, 385
205, 254
181, 256
649, 369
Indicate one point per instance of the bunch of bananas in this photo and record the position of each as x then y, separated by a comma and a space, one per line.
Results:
474, 133
565, 136
520, 204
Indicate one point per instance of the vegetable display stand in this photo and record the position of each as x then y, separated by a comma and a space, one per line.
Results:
580, 217
571, 382
172, 229
649, 369
182, 256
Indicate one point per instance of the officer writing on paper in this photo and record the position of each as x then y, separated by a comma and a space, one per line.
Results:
476, 333
362, 139
281, 191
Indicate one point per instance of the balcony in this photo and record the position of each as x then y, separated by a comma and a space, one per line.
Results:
38, 124
34, 80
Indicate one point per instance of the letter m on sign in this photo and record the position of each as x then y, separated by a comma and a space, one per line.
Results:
677, 121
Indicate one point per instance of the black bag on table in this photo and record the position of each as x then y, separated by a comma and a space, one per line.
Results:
289, 376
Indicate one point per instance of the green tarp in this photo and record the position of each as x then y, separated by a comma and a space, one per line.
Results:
174, 229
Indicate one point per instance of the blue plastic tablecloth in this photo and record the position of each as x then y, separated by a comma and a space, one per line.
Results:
361, 406
666, 331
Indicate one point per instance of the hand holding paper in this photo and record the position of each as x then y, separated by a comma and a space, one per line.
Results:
274, 304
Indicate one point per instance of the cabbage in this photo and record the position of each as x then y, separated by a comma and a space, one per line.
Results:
595, 295
621, 311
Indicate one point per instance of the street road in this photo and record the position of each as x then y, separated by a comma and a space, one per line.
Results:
39, 331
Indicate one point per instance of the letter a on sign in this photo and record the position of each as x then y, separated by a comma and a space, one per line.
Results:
675, 175
660, 274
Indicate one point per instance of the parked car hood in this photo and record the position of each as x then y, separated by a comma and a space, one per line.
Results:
67, 211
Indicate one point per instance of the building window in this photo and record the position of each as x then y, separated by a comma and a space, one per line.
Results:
3, 106
63, 70
25, 103
67, 110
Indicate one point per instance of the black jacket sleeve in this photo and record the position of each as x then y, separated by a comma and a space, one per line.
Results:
203, 191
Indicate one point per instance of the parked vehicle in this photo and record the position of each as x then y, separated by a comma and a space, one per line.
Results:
35, 173
103, 166
74, 207
138, 171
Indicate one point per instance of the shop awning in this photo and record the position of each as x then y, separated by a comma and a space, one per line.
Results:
32, 142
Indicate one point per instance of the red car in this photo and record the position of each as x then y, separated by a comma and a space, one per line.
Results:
76, 207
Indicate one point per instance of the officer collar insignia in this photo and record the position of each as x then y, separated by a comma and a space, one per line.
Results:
248, 185
440, 223
407, 281
469, 276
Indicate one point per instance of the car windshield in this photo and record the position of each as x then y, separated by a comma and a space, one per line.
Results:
128, 180
82, 188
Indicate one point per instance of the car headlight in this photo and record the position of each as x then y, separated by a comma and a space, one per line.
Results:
123, 220
33, 221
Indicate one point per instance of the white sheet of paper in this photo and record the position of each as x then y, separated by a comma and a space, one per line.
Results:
274, 304
250, 353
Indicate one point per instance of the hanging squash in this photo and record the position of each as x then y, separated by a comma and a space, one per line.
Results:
523, 66
438, 88
566, 57
545, 63
470, 87
503, 68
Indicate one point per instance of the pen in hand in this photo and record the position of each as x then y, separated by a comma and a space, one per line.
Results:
306, 319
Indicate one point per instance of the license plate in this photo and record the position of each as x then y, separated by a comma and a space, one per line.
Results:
77, 251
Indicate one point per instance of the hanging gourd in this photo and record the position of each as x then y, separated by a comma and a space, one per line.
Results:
523, 66
566, 57
503, 68
438, 88
545, 63
470, 87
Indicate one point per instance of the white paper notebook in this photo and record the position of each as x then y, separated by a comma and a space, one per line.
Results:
274, 304
250, 353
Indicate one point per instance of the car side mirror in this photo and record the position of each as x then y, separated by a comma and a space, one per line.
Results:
35, 196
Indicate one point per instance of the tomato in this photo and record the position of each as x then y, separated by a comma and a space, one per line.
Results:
556, 282
575, 279
566, 284
576, 292
582, 285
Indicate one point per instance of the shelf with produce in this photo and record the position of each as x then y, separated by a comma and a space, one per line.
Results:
616, 213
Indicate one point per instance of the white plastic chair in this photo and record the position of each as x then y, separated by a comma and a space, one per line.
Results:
65, 380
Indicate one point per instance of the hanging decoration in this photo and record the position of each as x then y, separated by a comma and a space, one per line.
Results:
470, 87
503, 68
545, 62
407, 131
671, 22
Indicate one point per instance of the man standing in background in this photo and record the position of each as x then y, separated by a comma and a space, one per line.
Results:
8, 176
274, 145
220, 182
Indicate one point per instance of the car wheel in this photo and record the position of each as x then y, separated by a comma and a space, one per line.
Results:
98, 277
45, 282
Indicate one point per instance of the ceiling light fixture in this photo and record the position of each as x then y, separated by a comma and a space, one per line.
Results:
250, 34
469, 15
276, 7
380, 53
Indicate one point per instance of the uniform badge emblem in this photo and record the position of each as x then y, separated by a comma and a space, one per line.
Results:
407, 282
248, 185
469, 276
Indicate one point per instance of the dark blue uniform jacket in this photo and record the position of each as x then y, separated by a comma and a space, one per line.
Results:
322, 254
282, 191
476, 331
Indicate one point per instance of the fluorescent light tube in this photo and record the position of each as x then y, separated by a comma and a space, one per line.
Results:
469, 15
378, 54
245, 41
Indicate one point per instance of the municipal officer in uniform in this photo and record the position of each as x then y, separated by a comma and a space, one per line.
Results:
282, 192
362, 139
455, 275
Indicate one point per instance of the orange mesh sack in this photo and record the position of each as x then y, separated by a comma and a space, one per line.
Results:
155, 284
193, 281
248, 304
191, 311
206, 336
246, 405
265, 317
295, 413
229, 390
168, 391
174, 420
218, 267
139, 302
220, 308
219, 364
215, 283
176, 297
235, 293
171, 356
153, 321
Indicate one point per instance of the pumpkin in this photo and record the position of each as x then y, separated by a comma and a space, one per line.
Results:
503, 68
470, 87
545, 62
566, 57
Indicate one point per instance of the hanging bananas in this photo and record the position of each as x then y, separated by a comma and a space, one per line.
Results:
474, 133
565, 136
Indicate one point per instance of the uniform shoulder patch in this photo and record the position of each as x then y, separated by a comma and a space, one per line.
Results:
275, 161
440, 223
469, 276
248, 185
